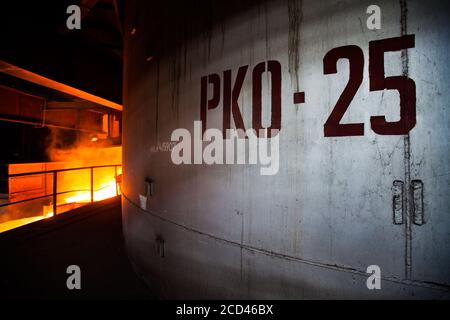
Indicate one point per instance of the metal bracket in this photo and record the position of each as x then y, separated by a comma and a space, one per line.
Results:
417, 198
160, 245
149, 191
398, 201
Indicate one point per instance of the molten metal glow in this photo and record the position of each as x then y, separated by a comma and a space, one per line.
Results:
107, 190
47, 212
73, 187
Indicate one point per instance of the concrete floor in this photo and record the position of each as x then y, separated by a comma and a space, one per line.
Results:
34, 258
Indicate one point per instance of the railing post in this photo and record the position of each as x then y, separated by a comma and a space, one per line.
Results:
92, 184
55, 191
115, 180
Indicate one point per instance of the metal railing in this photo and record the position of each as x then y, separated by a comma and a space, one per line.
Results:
55, 192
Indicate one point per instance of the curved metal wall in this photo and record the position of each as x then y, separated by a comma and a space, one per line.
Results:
344, 197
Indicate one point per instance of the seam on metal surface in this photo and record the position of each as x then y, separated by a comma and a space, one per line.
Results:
288, 257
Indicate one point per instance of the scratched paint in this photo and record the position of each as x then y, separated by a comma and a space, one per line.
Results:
295, 19
311, 230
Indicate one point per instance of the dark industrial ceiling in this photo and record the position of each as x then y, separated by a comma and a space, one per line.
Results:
35, 37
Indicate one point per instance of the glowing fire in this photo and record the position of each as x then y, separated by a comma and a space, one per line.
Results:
47, 211
73, 199
107, 190
73, 186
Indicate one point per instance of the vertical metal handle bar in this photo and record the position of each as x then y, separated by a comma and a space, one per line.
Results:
398, 201
115, 180
417, 197
55, 191
92, 184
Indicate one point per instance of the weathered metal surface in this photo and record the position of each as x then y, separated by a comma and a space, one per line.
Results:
49, 83
19, 107
312, 229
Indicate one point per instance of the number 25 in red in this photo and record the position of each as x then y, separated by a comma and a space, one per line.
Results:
404, 85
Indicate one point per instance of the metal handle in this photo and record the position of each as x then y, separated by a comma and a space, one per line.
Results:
398, 201
417, 197
55, 192
92, 185
160, 245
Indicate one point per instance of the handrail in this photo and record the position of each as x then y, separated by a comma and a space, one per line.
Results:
61, 170
54, 194
25, 200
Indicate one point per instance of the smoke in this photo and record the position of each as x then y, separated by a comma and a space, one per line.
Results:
81, 149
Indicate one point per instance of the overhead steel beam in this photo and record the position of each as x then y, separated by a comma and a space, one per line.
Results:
18, 107
39, 124
61, 105
46, 82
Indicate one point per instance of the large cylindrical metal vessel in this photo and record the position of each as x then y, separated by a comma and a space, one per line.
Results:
360, 189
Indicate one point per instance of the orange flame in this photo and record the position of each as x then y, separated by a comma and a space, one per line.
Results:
73, 187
